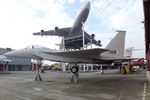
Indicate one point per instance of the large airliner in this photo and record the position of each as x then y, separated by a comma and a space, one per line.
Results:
73, 35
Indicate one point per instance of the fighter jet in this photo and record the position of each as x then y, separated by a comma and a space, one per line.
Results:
73, 35
113, 51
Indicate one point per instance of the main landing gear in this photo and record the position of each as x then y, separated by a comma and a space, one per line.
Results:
38, 76
75, 74
39, 65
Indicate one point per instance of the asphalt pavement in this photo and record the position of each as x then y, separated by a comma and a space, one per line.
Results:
91, 86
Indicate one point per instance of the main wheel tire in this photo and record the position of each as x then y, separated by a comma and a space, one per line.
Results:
74, 69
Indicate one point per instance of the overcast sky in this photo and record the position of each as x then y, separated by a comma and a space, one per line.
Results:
20, 18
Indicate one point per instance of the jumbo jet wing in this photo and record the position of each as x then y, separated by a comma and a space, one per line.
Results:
65, 32
56, 32
81, 17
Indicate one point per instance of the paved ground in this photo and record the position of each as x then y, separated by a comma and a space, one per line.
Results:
57, 86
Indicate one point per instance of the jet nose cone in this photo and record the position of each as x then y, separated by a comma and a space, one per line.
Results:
11, 53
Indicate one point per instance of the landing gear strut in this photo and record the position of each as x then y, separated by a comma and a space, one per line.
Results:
38, 76
75, 74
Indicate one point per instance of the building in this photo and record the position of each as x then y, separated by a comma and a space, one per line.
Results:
146, 4
16, 64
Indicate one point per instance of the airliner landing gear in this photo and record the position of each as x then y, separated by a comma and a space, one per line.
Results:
75, 74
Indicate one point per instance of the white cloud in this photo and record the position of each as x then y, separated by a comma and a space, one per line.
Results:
70, 1
19, 20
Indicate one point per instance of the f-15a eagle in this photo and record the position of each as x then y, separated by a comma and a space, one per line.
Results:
113, 51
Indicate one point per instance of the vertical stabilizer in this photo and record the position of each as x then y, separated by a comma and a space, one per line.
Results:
117, 45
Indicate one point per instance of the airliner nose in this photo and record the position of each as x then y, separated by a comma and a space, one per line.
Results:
88, 4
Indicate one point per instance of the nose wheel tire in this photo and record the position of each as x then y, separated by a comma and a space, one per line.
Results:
74, 69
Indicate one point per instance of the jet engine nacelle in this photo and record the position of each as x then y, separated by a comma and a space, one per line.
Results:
99, 43
56, 29
92, 36
42, 32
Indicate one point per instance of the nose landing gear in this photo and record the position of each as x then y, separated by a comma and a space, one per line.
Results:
75, 74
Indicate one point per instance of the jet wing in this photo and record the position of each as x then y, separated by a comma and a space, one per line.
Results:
56, 32
87, 56
89, 53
